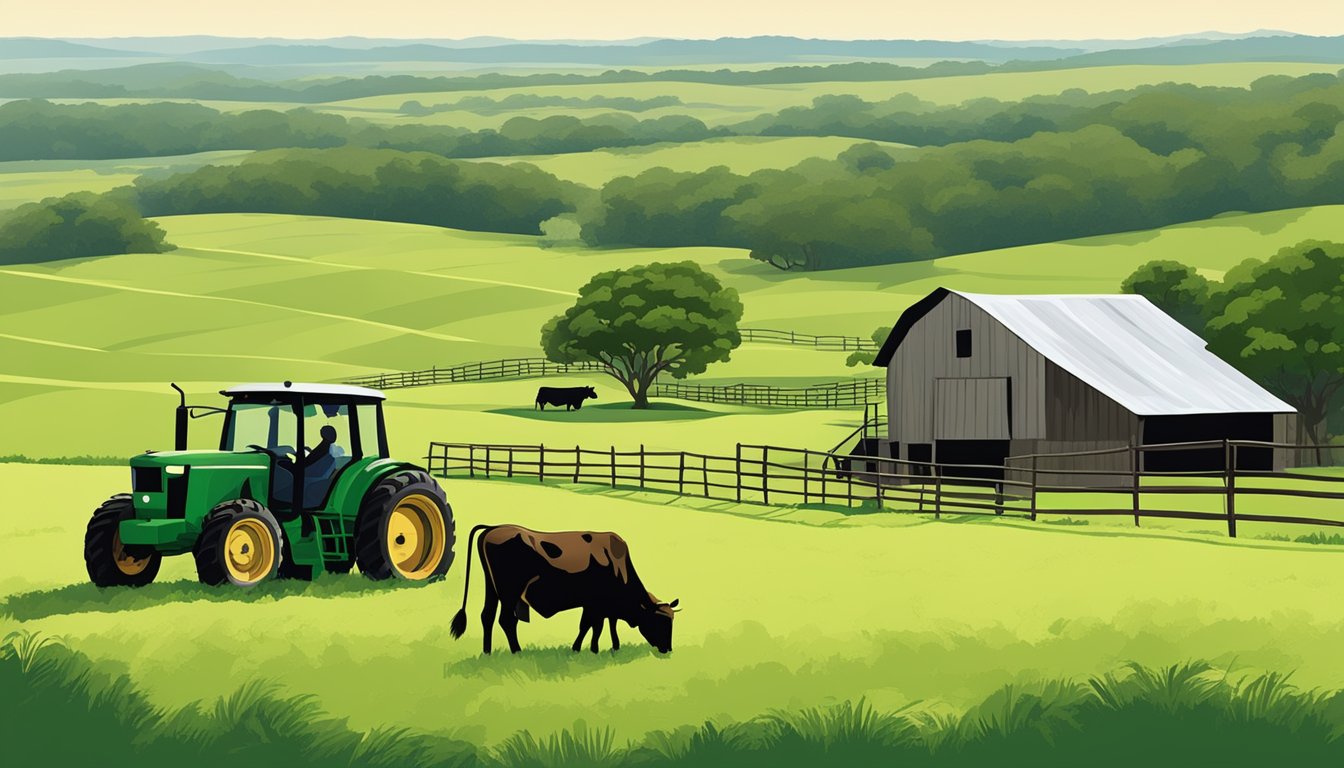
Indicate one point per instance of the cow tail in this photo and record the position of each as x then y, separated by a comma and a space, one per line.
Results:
459, 626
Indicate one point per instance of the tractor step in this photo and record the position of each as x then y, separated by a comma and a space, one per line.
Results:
334, 536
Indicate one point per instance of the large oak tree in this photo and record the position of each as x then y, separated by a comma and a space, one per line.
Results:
648, 320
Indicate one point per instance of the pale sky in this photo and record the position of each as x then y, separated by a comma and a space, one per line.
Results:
606, 19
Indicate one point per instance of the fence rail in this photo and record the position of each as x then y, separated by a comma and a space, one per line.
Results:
841, 343
836, 394
768, 474
512, 368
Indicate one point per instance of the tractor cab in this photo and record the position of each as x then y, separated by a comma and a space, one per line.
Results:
311, 433
301, 484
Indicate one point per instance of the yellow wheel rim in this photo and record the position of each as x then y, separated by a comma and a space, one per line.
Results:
249, 551
128, 565
416, 537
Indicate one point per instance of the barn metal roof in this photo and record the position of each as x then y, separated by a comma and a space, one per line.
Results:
1121, 345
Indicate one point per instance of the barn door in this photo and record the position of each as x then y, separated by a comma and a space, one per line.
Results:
971, 409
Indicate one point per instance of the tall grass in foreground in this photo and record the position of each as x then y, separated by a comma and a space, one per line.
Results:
56, 706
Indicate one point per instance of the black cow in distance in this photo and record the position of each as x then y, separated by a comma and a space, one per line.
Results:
528, 570
570, 397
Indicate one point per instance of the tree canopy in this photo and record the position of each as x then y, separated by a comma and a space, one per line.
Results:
74, 226
1279, 320
640, 322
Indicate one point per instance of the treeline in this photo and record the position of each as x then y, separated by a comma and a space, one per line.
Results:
1164, 118
386, 185
1162, 156
41, 130
485, 105
77, 225
188, 81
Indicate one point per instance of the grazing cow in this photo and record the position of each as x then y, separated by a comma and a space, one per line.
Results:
570, 397
529, 571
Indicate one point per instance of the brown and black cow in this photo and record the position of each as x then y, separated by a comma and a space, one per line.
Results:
528, 570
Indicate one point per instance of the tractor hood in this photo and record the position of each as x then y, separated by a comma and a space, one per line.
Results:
249, 459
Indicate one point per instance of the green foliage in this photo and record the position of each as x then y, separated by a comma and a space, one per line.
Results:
1174, 288
369, 184
1333, 539
646, 320
75, 226
1181, 710
1281, 321
866, 357
32, 130
193, 82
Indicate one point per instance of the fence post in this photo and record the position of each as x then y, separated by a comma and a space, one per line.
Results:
1134, 476
510, 470
738, 472
765, 473
471, 460
641, 465
1230, 473
681, 473
541, 463
487, 461
578, 453
937, 493
613, 466
807, 473
704, 473
1033, 487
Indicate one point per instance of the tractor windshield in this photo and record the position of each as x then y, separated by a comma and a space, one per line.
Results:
271, 426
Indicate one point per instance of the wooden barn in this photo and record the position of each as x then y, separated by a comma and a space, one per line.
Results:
977, 378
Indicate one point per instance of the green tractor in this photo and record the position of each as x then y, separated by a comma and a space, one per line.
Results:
266, 506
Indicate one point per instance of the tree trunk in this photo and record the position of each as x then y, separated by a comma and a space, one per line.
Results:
641, 400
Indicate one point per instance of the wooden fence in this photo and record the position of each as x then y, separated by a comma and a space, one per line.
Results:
838, 343
512, 368
769, 474
836, 394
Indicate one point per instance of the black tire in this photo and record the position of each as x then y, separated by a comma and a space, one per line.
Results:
105, 559
374, 549
211, 550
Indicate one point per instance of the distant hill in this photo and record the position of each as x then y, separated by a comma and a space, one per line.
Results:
1282, 48
656, 52
43, 48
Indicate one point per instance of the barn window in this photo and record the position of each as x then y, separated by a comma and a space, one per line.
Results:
963, 343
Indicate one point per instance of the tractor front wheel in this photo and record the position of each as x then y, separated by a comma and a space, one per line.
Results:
239, 544
108, 562
404, 529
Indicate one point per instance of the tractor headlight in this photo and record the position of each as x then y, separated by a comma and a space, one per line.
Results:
175, 470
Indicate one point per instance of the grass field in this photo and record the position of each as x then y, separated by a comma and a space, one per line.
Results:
266, 297
778, 614
742, 154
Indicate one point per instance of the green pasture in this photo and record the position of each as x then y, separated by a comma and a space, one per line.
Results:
269, 297
727, 104
782, 611
741, 154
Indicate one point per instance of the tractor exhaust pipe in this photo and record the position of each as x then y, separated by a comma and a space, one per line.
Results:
180, 426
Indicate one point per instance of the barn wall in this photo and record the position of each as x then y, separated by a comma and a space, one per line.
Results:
1285, 431
928, 353
1076, 412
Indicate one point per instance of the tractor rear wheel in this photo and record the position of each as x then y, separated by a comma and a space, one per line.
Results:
405, 529
240, 543
108, 562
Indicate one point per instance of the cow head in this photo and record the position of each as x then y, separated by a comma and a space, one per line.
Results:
589, 393
656, 623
